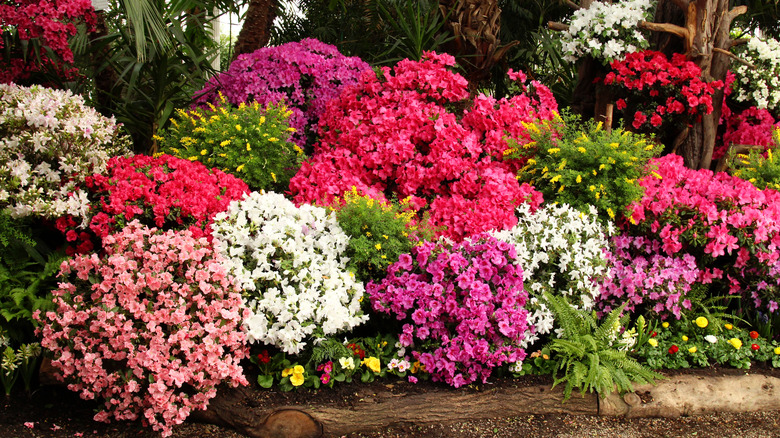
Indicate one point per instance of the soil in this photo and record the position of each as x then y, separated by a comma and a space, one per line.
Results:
53, 411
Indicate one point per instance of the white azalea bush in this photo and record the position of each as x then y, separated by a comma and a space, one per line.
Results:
759, 86
49, 142
606, 31
562, 251
290, 263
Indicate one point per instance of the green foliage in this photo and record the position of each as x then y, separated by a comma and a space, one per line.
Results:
415, 27
594, 357
584, 164
17, 362
12, 233
760, 169
248, 141
379, 233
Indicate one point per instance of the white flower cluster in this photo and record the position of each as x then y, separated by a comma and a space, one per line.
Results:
606, 31
761, 85
561, 250
50, 142
289, 262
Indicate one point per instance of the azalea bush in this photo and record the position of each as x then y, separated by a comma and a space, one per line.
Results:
291, 264
50, 141
760, 169
305, 75
752, 127
402, 134
585, 165
659, 90
462, 306
249, 141
164, 192
151, 328
758, 84
606, 31
726, 223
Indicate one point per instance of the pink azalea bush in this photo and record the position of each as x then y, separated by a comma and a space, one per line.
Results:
463, 307
752, 126
305, 74
151, 328
640, 274
730, 226
164, 192
414, 133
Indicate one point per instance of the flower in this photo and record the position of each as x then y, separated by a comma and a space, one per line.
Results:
652, 342
674, 349
692, 350
29, 424
263, 357
754, 335
735, 342
711, 339
684, 338
665, 324
325, 379
296, 379
754, 347
372, 363
347, 363
728, 326
702, 322
777, 350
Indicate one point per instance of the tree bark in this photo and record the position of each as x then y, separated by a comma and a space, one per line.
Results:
256, 31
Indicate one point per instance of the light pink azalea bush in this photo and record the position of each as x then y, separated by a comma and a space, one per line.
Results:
151, 328
414, 132
729, 226
462, 305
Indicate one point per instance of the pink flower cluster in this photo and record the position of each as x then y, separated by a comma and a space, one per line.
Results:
661, 88
151, 328
731, 227
305, 74
51, 22
164, 192
413, 133
462, 306
640, 274
752, 126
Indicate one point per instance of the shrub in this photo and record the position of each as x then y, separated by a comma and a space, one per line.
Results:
305, 74
290, 263
164, 192
759, 84
404, 133
462, 305
51, 141
727, 224
248, 141
583, 168
761, 170
752, 126
151, 328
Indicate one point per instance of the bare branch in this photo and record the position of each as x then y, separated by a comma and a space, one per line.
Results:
554, 25
665, 27
734, 57
739, 42
734, 13
572, 5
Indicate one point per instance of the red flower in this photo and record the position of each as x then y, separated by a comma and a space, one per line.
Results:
674, 349
754, 335
654, 334
754, 347
263, 357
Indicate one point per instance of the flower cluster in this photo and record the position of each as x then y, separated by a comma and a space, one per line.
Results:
606, 31
50, 142
752, 126
761, 170
463, 307
400, 134
640, 274
248, 141
759, 84
660, 90
731, 227
305, 74
561, 251
594, 167
164, 192
290, 263
151, 328
39, 29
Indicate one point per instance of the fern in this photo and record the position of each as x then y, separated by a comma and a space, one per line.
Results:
591, 356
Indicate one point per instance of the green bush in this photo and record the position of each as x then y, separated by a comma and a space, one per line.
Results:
761, 170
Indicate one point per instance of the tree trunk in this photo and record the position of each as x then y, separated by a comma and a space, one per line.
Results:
256, 31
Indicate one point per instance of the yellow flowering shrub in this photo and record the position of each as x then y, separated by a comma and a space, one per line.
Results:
760, 168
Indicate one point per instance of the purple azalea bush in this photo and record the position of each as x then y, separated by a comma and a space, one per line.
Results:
305, 74
462, 304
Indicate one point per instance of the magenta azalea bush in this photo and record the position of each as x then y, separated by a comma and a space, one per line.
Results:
305, 74
752, 126
463, 307
730, 226
414, 133
164, 192
151, 328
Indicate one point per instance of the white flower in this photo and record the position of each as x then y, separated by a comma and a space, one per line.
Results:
347, 363
711, 339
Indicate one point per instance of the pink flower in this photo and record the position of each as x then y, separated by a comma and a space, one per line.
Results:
29, 424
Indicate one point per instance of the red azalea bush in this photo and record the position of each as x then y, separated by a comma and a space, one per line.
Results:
412, 132
730, 226
151, 328
752, 126
164, 192
33, 26
305, 74
660, 90
463, 307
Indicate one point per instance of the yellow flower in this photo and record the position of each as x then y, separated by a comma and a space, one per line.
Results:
777, 350
591, 188
286, 372
614, 145
728, 326
701, 322
652, 342
273, 176
248, 147
240, 168
692, 350
685, 338
561, 189
385, 236
297, 379
372, 363
272, 139
579, 179
602, 167
665, 325
378, 246
531, 161
595, 173
555, 179
224, 143
612, 215
582, 150
735, 342
598, 195
204, 152
238, 127
553, 150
